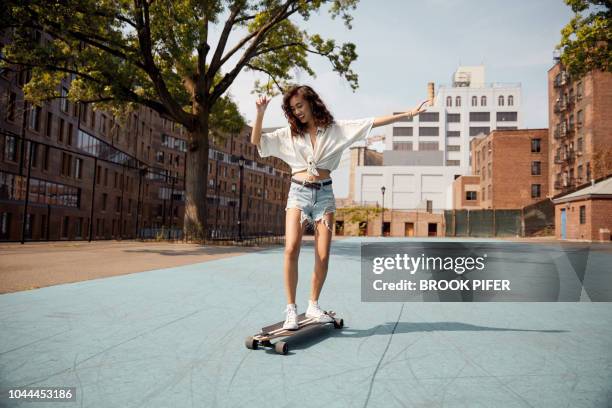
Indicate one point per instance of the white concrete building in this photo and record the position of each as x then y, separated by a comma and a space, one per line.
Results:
424, 155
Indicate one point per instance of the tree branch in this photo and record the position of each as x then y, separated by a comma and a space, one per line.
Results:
227, 28
248, 54
130, 95
280, 88
144, 40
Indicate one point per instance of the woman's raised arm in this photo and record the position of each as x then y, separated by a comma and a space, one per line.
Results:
385, 120
261, 104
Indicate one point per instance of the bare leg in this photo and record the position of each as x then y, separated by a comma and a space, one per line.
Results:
293, 241
323, 237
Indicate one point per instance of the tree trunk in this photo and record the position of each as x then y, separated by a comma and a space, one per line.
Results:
196, 184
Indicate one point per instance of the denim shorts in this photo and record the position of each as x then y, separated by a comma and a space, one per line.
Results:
313, 202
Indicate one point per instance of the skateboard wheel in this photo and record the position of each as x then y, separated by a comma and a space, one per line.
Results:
281, 347
338, 323
251, 343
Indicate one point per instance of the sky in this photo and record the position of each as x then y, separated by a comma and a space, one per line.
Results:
403, 45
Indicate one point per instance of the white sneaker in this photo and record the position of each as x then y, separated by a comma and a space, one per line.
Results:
314, 311
291, 321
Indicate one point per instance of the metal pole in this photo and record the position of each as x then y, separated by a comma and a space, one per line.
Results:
216, 193
121, 209
240, 204
382, 220
24, 121
48, 221
27, 194
262, 207
171, 204
93, 195
138, 208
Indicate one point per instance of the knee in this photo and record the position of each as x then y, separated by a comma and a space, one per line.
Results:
292, 251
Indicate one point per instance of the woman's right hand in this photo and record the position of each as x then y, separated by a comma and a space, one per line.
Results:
262, 104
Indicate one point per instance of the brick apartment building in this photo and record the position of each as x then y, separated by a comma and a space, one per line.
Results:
124, 179
509, 171
580, 128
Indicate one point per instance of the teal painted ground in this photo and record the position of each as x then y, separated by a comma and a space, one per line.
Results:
175, 337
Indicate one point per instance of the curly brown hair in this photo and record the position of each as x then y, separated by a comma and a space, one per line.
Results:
322, 117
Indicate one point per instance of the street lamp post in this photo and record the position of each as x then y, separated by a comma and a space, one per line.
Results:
382, 222
241, 164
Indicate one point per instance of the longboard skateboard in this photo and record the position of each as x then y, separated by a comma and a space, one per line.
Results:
264, 337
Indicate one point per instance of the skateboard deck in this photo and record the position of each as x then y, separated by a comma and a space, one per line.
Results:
264, 337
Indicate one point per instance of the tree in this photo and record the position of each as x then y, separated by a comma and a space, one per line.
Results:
586, 42
157, 54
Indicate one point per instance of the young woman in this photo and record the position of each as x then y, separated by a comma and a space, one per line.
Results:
312, 145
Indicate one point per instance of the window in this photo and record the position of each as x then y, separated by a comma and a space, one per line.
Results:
536, 145
535, 190
453, 148
35, 117
480, 116
429, 117
49, 124
5, 225
29, 219
588, 171
507, 116
65, 225
64, 100
470, 195
453, 133
428, 145
510, 100
34, 154
536, 168
60, 131
402, 131
483, 101
118, 204
500, 100
580, 118
449, 101
474, 101
45, 158
478, 130
104, 200
453, 117
458, 101
66, 164
583, 214
406, 146
10, 109
10, 148
429, 131
78, 168
453, 162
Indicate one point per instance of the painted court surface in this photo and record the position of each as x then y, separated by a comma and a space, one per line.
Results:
175, 337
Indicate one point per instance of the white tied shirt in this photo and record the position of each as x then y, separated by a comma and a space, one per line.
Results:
299, 153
